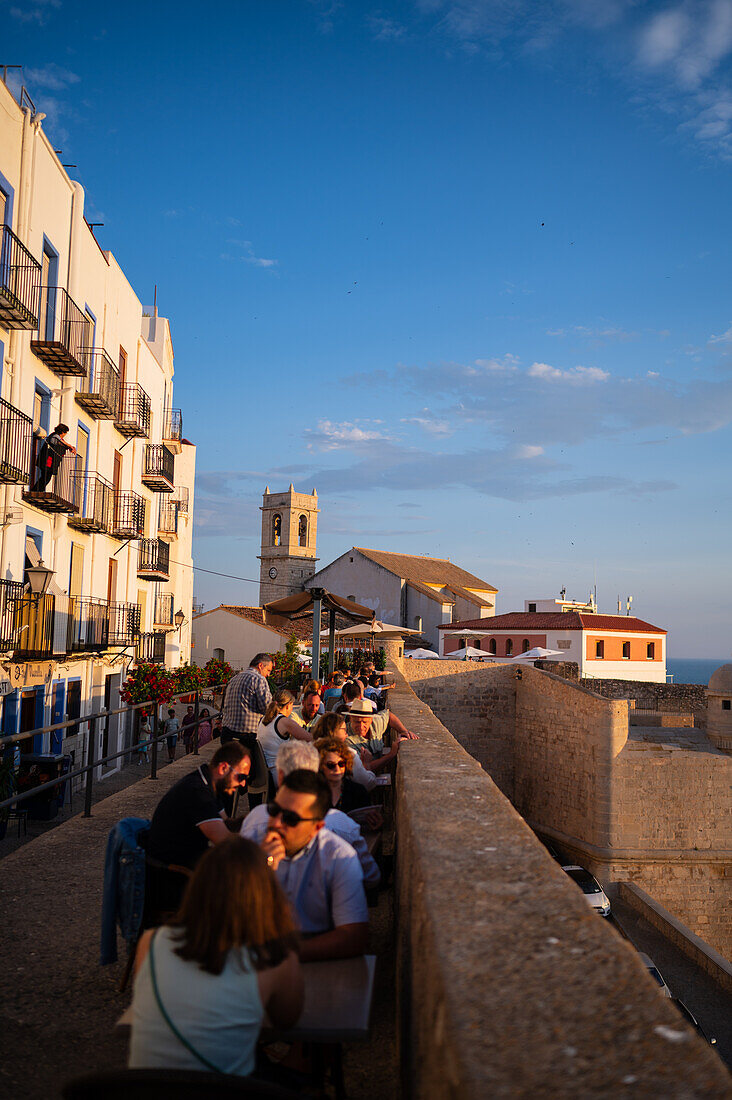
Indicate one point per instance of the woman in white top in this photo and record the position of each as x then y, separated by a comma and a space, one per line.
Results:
277, 727
204, 981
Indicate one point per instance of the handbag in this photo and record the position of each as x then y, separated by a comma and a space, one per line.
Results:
181, 1038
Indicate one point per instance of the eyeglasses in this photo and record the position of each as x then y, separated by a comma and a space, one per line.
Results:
289, 817
334, 765
241, 776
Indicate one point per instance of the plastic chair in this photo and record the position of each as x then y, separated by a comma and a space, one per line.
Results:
164, 1084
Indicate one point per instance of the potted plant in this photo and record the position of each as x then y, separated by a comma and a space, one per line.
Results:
189, 678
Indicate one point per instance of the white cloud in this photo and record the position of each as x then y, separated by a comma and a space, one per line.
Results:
529, 450
385, 29
330, 436
427, 424
248, 255
35, 12
723, 338
575, 375
52, 77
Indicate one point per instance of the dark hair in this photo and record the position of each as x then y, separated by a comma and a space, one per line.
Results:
61, 429
351, 692
171, 711
260, 659
280, 699
328, 724
312, 687
205, 713
233, 900
324, 745
302, 781
230, 753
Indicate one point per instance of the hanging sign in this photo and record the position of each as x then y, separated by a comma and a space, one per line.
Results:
28, 674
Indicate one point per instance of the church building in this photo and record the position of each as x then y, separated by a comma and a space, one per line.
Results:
289, 532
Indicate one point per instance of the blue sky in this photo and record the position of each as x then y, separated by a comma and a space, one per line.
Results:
461, 265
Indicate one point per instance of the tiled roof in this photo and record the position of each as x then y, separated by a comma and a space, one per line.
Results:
556, 620
302, 629
417, 570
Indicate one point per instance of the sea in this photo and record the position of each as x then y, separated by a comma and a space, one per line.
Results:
694, 670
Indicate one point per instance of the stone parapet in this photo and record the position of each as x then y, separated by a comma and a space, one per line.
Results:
508, 985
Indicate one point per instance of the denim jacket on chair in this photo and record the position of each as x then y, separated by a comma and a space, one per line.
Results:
123, 895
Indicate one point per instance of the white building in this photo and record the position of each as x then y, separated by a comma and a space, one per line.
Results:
235, 634
114, 521
605, 647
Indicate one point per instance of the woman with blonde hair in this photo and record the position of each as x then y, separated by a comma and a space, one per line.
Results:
336, 765
277, 727
204, 981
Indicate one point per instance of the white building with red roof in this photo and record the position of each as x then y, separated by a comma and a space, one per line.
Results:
605, 647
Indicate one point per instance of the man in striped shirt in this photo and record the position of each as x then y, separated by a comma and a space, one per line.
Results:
246, 698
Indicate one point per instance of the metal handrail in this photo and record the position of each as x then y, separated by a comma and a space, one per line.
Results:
92, 762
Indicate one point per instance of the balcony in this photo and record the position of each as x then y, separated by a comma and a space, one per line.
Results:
133, 415
52, 490
64, 333
153, 560
88, 625
10, 593
173, 430
150, 648
128, 515
163, 615
98, 392
16, 439
20, 283
124, 623
96, 505
158, 466
33, 620
168, 521
181, 499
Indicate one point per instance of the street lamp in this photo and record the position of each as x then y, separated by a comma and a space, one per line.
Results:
38, 578
179, 619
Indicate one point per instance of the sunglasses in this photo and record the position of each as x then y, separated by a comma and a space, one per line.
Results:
334, 766
289, 818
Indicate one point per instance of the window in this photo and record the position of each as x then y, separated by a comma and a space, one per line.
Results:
49, 279
76, 569
564, 644
532, 607
492, 647
302, 530
73, 705
651, 651
525, 646
41, 408
476, 643
599, 651
218, 655
626, 651
727, 704
509, 647
418, 622
351, 597
276, 529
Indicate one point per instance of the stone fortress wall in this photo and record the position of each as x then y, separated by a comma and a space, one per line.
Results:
657, 812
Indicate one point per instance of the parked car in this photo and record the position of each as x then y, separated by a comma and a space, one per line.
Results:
590, 887
688, 1015
655, 973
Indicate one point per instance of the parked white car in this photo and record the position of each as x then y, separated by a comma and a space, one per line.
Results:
655, 973
590, 887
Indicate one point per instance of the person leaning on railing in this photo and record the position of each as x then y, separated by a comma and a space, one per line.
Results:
50, 455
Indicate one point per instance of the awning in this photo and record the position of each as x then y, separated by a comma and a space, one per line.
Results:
301, 604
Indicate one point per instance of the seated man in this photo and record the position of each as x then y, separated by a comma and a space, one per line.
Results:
302, 754
319, 871
189, 817
335, 691
385, 719
366, 735
309, 711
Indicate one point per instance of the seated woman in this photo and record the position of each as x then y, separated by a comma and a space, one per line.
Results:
277, 727
204, 982
336, 764
333, 725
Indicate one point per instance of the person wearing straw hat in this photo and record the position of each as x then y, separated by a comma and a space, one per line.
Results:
366, 735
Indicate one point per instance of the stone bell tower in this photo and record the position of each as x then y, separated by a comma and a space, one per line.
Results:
289, 531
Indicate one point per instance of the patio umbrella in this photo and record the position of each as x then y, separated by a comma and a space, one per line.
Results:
423, 654
464, 653
376, 627
537, 653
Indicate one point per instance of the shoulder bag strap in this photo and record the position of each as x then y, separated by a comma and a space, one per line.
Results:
181, 1038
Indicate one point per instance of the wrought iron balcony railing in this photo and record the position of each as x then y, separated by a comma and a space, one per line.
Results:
133, 416
16, 439
163, 616
88, 625
33, 619
153, 562
54, 483
20, 282
180, 498
158, 468
10, 593
173, 429
64, 332
124, 623
98, 392
128, 515
168, 520
96, 504
150, 648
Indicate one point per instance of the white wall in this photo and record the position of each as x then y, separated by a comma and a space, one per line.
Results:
240, 638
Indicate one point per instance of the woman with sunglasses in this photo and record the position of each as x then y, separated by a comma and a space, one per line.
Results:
205, 979
336, 765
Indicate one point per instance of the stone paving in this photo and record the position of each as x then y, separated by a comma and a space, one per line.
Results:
58, 1007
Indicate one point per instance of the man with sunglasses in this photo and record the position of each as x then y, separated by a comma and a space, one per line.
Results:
318, 870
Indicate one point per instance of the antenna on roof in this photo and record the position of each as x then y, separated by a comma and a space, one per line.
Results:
563, 591
620, 605
155, 301
629, 602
